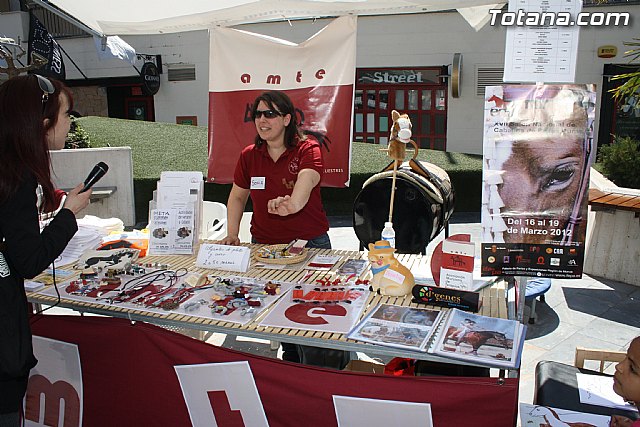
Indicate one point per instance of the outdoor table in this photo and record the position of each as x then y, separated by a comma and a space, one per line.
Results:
494, 304
143, 360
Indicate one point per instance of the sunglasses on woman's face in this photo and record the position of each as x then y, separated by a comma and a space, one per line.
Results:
268, 114
46, 87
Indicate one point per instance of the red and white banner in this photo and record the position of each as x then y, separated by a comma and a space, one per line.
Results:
142, 375
317, 74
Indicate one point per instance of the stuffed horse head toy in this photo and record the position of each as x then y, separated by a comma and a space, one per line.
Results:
400, 136
389, 276
401, 128
397, 149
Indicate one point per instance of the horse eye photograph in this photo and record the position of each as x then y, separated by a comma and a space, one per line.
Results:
541, 181
184, 232
420, 317
160, 233
538, 152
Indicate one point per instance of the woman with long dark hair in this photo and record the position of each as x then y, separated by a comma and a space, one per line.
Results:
281, 173
34, 118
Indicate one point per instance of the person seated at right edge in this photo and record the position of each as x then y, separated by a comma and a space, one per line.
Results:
626, 383
281, 172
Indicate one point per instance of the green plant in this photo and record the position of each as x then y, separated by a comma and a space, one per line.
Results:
77, 136
621, 161
632, 84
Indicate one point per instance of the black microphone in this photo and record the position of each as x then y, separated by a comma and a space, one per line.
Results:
94, 176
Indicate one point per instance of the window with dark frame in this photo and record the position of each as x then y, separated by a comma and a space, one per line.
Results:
420, 92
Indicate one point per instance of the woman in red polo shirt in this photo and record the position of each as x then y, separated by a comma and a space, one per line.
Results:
281, 172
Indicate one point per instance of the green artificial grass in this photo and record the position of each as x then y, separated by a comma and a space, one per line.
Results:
155, 147
158, 147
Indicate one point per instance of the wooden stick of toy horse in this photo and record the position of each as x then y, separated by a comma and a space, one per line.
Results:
390, 277
397, 149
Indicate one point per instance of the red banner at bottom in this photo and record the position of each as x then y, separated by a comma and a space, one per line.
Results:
138, 374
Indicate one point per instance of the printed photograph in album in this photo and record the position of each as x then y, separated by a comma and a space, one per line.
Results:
480, 339
353, 266
396, 326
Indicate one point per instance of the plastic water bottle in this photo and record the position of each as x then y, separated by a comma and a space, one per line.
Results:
389, 234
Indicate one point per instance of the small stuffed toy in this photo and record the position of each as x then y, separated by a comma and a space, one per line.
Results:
400, 136
389, 276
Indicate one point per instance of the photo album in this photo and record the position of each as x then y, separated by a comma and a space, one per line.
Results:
396, 326
454, 334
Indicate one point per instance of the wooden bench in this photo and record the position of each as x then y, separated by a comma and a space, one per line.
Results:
613, 235
610, 201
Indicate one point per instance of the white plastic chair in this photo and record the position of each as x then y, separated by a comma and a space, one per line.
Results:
214, 221
245, 227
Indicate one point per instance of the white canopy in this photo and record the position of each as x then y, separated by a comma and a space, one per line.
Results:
122, 17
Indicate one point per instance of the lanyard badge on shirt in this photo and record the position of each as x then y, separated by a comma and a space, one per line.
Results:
257, 183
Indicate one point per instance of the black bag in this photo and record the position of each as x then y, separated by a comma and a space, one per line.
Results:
16, 350
323, 357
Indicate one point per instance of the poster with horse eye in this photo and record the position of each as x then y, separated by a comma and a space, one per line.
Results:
537, 151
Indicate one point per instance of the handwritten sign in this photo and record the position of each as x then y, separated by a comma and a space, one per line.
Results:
394, 275
455, 279
223, 257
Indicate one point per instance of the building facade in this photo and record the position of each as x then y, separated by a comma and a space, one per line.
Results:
404, 62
